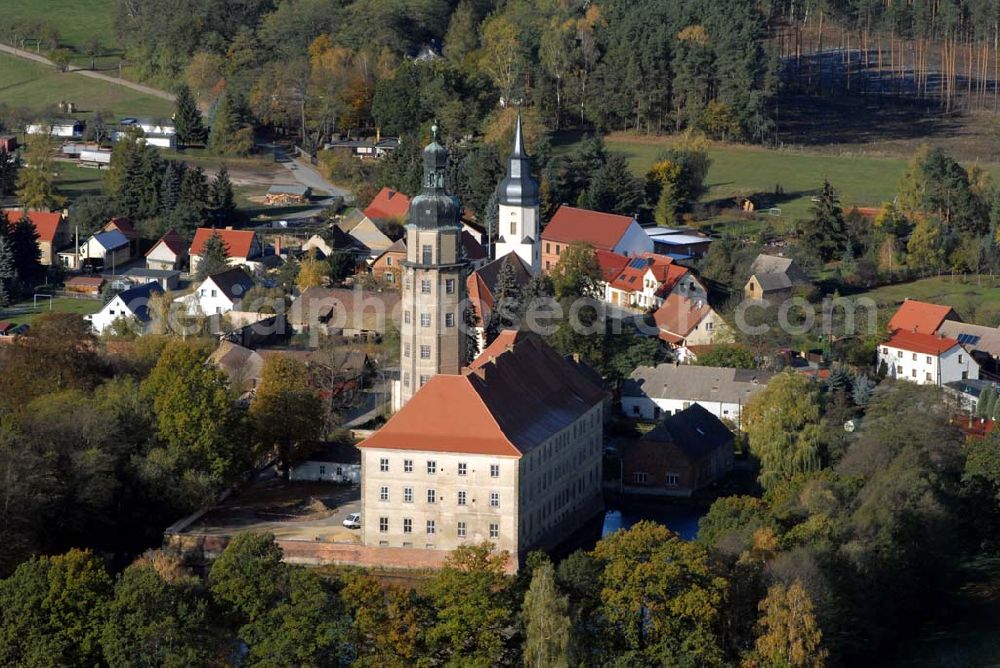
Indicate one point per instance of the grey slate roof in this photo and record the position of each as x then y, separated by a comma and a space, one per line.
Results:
972, 387
973, 337
111, 239
234, 283
695, 383
774, 272
137, 299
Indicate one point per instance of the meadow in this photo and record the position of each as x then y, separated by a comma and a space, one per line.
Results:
26, 312
975, 298
35, 87
76, 20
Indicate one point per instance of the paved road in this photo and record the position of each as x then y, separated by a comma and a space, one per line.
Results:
307, 175
142, 88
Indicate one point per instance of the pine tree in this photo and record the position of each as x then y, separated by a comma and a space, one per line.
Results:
27, 255
214, 257
7, 271
861, 392
194, 192
230, 133
471, 322
187, 118
491, 215
507, 302
221, 197
10, 164
547, 623
826, 232
170, 186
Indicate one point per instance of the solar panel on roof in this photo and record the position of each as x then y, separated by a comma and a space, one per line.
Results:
968, 339
637, 263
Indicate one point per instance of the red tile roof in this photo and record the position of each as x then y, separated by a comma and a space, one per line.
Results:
920, 317
238, 242
513, 397
388, 203
603, 231
172, 241
610, 264
927, 344
46, 224
665, 272
678, 316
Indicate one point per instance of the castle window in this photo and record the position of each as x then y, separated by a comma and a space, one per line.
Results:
425, 352
461, 498
383, 494
407, 525
494, 499
431, 496
431, 527
383, 465
494, 470
425, 286
406, 349
407, 495
432, 466
494, 530
383, 525
449, 285
426, 251
463, 468
425, 319
461, 529
449, 319
407, 466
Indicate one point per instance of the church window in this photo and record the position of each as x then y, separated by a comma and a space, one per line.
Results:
425, 286
513, 227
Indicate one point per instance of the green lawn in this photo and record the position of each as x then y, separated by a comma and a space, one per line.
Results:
30, 85
745, 170
977, 301
75, 181
76, 20
25, 312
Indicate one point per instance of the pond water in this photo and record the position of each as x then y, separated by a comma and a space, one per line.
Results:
679, 518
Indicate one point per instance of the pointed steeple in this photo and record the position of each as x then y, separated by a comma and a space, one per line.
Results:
519, 188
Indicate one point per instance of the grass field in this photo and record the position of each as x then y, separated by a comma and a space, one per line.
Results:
976, 300
739, 170
25, 84
75, 181
76, 20
25, 312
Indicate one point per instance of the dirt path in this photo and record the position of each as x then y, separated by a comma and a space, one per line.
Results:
142, 88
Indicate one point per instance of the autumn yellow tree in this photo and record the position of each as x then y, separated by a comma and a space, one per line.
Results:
789, 635
312, 273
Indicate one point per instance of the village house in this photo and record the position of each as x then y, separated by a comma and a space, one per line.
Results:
387, 268
388, 204
53, 232
124, 225
103, 250
602, 231
610, 265
335, 241
168, 279
926, 359
243, 246
169, 253
686, 324
242, 366
651, 392
366, 231
509, 452
968, 392
132, 306
331, 462
364, 148
685, 452
921, 317
982, 342
678, 245
647, 280
218, 294
773, 277
63, 128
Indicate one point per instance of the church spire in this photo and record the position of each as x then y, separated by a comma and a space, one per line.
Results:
519, 188
434, 206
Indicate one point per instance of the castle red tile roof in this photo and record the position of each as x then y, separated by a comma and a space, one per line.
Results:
513, 397
920, 317
603, 231
46, 224
238, 242
388, 203
926, 344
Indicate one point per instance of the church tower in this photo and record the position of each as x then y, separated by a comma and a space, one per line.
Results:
433, 289
518, 218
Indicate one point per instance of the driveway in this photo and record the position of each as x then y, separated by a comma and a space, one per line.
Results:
308, 176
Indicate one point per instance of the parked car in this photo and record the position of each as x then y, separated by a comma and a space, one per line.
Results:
353, 521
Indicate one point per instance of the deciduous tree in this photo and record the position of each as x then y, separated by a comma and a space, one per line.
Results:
789, 635
548, 629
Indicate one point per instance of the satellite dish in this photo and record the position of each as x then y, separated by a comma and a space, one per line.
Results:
851, 425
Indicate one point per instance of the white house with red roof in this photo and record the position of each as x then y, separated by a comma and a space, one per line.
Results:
926, 359
242, 246
508, 452
686, 324
169, 253
53, 232
602, 231
647, 280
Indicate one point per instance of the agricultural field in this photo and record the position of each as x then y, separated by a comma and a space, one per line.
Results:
975, 298
38, 88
